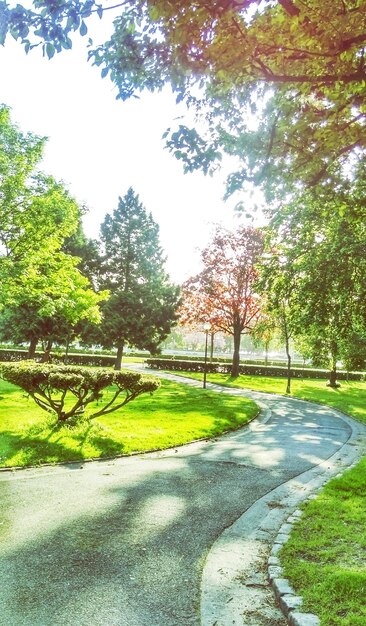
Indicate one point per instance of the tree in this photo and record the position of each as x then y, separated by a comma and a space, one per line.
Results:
264, 332
41, 289
277, 284
88, 253
142, 306
197, 309
36, 212
224, 288
69, 391
317, 258
48, 302
298, 67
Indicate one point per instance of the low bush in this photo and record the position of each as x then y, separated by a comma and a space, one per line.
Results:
95, 360
68, 390
73, 358
250, 370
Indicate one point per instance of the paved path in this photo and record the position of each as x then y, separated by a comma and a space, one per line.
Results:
139, 541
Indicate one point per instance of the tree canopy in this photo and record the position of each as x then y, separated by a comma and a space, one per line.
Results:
41, 288
143, 302
223, 292
281, 84
315, 265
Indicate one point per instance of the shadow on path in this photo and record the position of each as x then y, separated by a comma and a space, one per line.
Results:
122, 543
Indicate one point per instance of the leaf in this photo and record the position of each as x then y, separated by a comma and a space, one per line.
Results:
83, 29
66, 43
154, 13
104, 72
50, 50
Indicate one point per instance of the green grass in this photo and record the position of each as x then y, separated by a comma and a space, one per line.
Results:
350, 397
325, 558
173, 415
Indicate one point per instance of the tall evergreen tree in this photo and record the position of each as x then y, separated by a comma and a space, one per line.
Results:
142, 306
87, 251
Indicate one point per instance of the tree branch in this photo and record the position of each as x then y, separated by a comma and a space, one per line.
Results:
356, 77
289, 7
103, 411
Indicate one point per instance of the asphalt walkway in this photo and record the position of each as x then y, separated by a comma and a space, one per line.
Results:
177, 538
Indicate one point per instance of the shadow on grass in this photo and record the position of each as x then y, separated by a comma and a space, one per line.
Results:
25, 450
173, 416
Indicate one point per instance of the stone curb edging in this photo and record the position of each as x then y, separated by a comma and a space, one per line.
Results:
288, 600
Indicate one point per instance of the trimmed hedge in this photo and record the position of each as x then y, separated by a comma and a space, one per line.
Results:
250, 370
96, 360
226, 359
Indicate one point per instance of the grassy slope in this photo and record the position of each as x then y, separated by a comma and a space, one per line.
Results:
325, 558
173, 415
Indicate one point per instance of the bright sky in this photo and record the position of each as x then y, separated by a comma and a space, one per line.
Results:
100, 146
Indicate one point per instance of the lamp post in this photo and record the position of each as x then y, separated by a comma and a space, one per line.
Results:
206, 327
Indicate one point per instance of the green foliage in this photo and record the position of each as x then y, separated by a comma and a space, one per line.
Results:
87, 251
315, 263
42, 292
353, 350
142, 305
246, 369
280, 84
68, 390
36, 212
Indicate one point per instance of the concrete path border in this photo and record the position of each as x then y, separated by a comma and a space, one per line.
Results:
235, 581
245, 557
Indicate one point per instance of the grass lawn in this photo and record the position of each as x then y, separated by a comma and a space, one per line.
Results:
350, 397
173, 415
325, 558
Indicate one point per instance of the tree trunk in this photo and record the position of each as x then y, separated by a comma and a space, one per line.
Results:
287, 346
118, 363
333, 372
212, 346
46, 355
67, 348
236, 355
266, 348
32, 348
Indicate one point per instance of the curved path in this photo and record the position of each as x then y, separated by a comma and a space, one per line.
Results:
141, 541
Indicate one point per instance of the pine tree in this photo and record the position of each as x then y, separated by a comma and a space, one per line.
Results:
142, 306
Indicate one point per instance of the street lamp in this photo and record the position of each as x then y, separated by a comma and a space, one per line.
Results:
206, 328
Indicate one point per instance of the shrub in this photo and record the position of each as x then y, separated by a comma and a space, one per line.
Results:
250, 370
68, 390
73, 358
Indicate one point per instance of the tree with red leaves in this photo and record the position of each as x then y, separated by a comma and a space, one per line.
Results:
222, 293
